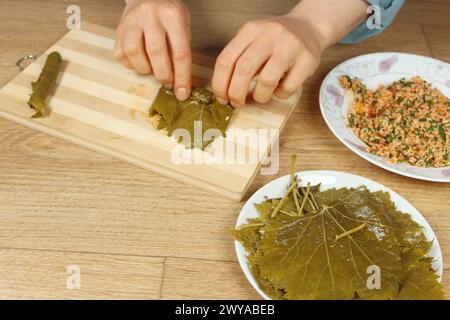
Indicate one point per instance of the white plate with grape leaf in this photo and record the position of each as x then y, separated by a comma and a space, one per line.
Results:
329, 179
381, 69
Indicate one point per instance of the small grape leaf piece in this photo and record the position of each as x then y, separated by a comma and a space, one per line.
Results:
200, 108
41, 88
325, 249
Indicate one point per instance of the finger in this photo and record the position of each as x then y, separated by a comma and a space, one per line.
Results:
157, 51
181, 58
118, 48
134, 49
246, 69
270, 77
301, 70
126, 63
188, 30
226, 61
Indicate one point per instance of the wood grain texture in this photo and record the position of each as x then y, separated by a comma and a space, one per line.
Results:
101, 276
57, 196
435, 37
434, 12
190, 279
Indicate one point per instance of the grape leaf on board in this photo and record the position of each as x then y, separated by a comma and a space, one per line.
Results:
200, 109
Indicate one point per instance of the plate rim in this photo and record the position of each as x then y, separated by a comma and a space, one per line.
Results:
379, 163
242, 258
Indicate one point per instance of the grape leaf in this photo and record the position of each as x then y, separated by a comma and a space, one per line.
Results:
42, 86
200, 109
421, 283
249, 234
296, 256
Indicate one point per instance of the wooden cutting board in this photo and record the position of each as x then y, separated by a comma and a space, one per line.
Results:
103, 106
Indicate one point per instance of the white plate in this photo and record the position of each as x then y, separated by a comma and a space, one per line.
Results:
328, 179
375, 69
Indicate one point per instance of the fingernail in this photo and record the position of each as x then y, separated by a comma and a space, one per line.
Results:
168, 86
182, 94
222, 101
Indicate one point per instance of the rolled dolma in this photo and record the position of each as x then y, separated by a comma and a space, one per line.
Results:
41, 88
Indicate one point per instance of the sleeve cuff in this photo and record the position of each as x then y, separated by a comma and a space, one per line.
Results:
388, 12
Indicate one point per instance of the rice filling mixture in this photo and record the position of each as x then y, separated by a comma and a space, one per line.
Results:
408, 121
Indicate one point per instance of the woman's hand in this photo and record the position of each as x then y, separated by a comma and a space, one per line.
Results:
284, 51
154, 36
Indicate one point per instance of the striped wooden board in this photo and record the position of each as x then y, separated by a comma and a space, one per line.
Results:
103, 106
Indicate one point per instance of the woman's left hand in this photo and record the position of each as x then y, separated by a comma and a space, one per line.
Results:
283, 51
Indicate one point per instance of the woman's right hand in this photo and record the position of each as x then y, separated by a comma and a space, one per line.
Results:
153, 36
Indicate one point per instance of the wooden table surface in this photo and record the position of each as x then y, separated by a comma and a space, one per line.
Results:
135, 234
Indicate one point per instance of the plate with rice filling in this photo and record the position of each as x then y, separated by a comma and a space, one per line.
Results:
392, 109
